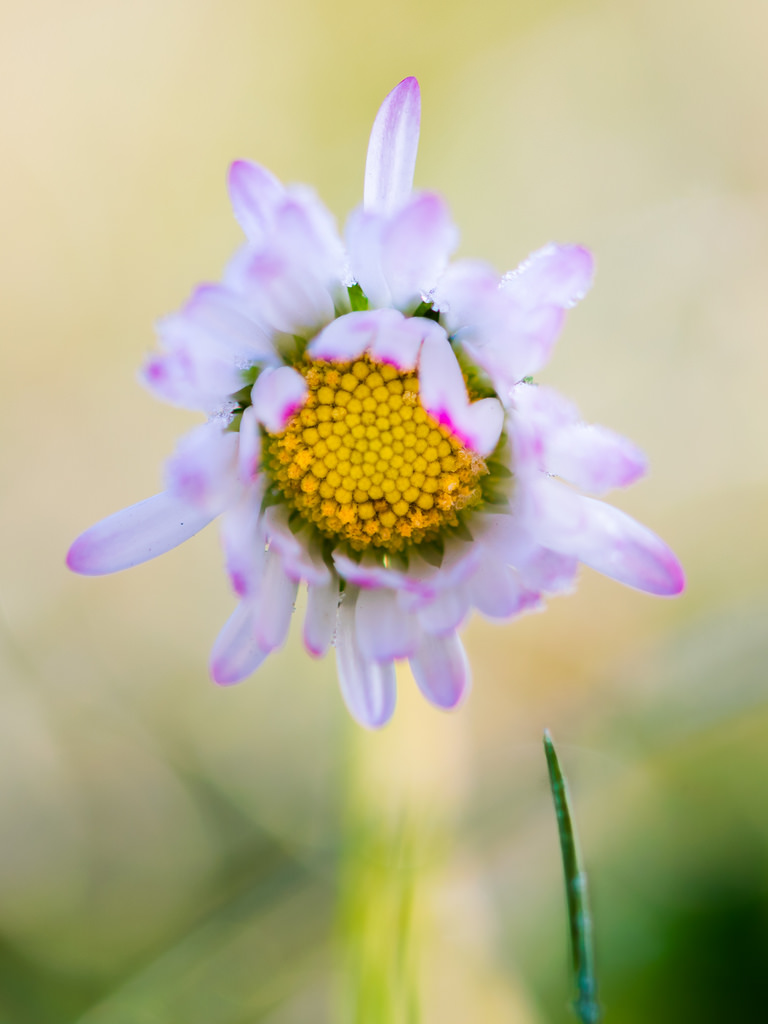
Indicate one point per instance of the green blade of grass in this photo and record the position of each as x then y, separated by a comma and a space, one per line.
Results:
579, 919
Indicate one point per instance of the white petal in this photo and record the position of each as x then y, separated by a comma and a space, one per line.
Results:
368, 688
135, 535
244, 541
236, 652
606, 539
557, 275
249, 450
416, 244
274, 605
203, 469
277, 395
254, 192
498, 592
441, 670
594, 458
384, 631
320, 617
447, 611
364, 234
299, 553
392, 148
443, 394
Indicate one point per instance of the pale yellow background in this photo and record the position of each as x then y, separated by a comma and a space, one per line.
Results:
638, 128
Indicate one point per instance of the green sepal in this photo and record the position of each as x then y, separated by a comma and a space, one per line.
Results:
358, 300
498, 469
428, 311
432, 551
462, 531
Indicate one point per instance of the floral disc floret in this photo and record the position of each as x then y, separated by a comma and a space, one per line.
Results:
364, 462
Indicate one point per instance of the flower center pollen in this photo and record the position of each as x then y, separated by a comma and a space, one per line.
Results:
363, 460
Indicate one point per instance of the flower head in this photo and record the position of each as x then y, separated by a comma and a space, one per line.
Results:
374, 432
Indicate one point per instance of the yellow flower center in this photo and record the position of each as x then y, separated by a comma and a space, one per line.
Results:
363, 461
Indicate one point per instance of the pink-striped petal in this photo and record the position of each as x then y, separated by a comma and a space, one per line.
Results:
384, 631
135, 534
320, 617
557, 275
441, 670
236, 652
443, 394
277, 395
254, 192
368, 688
392, 148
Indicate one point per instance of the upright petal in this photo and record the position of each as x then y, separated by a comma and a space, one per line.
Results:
135, 534
392, 148
441, 670
368, 688
416, 244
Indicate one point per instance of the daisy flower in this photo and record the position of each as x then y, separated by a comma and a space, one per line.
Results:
374, 433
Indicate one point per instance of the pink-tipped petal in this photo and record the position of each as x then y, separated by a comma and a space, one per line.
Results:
236, 652
443, 394
135, 534
277, 395
605, 538
392, 148
557, 275
397, 340
416, 244
594, 458
368, 688
320, 617
441, 670
384, 631
274, 605
254, 192
364, 233
344, 339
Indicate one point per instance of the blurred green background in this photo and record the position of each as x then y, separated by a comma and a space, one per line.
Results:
172, 853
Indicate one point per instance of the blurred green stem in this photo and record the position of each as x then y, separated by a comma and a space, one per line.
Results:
580, 921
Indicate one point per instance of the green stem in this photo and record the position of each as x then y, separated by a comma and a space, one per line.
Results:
580, 921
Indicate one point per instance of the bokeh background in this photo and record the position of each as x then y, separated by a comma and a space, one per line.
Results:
176, 854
